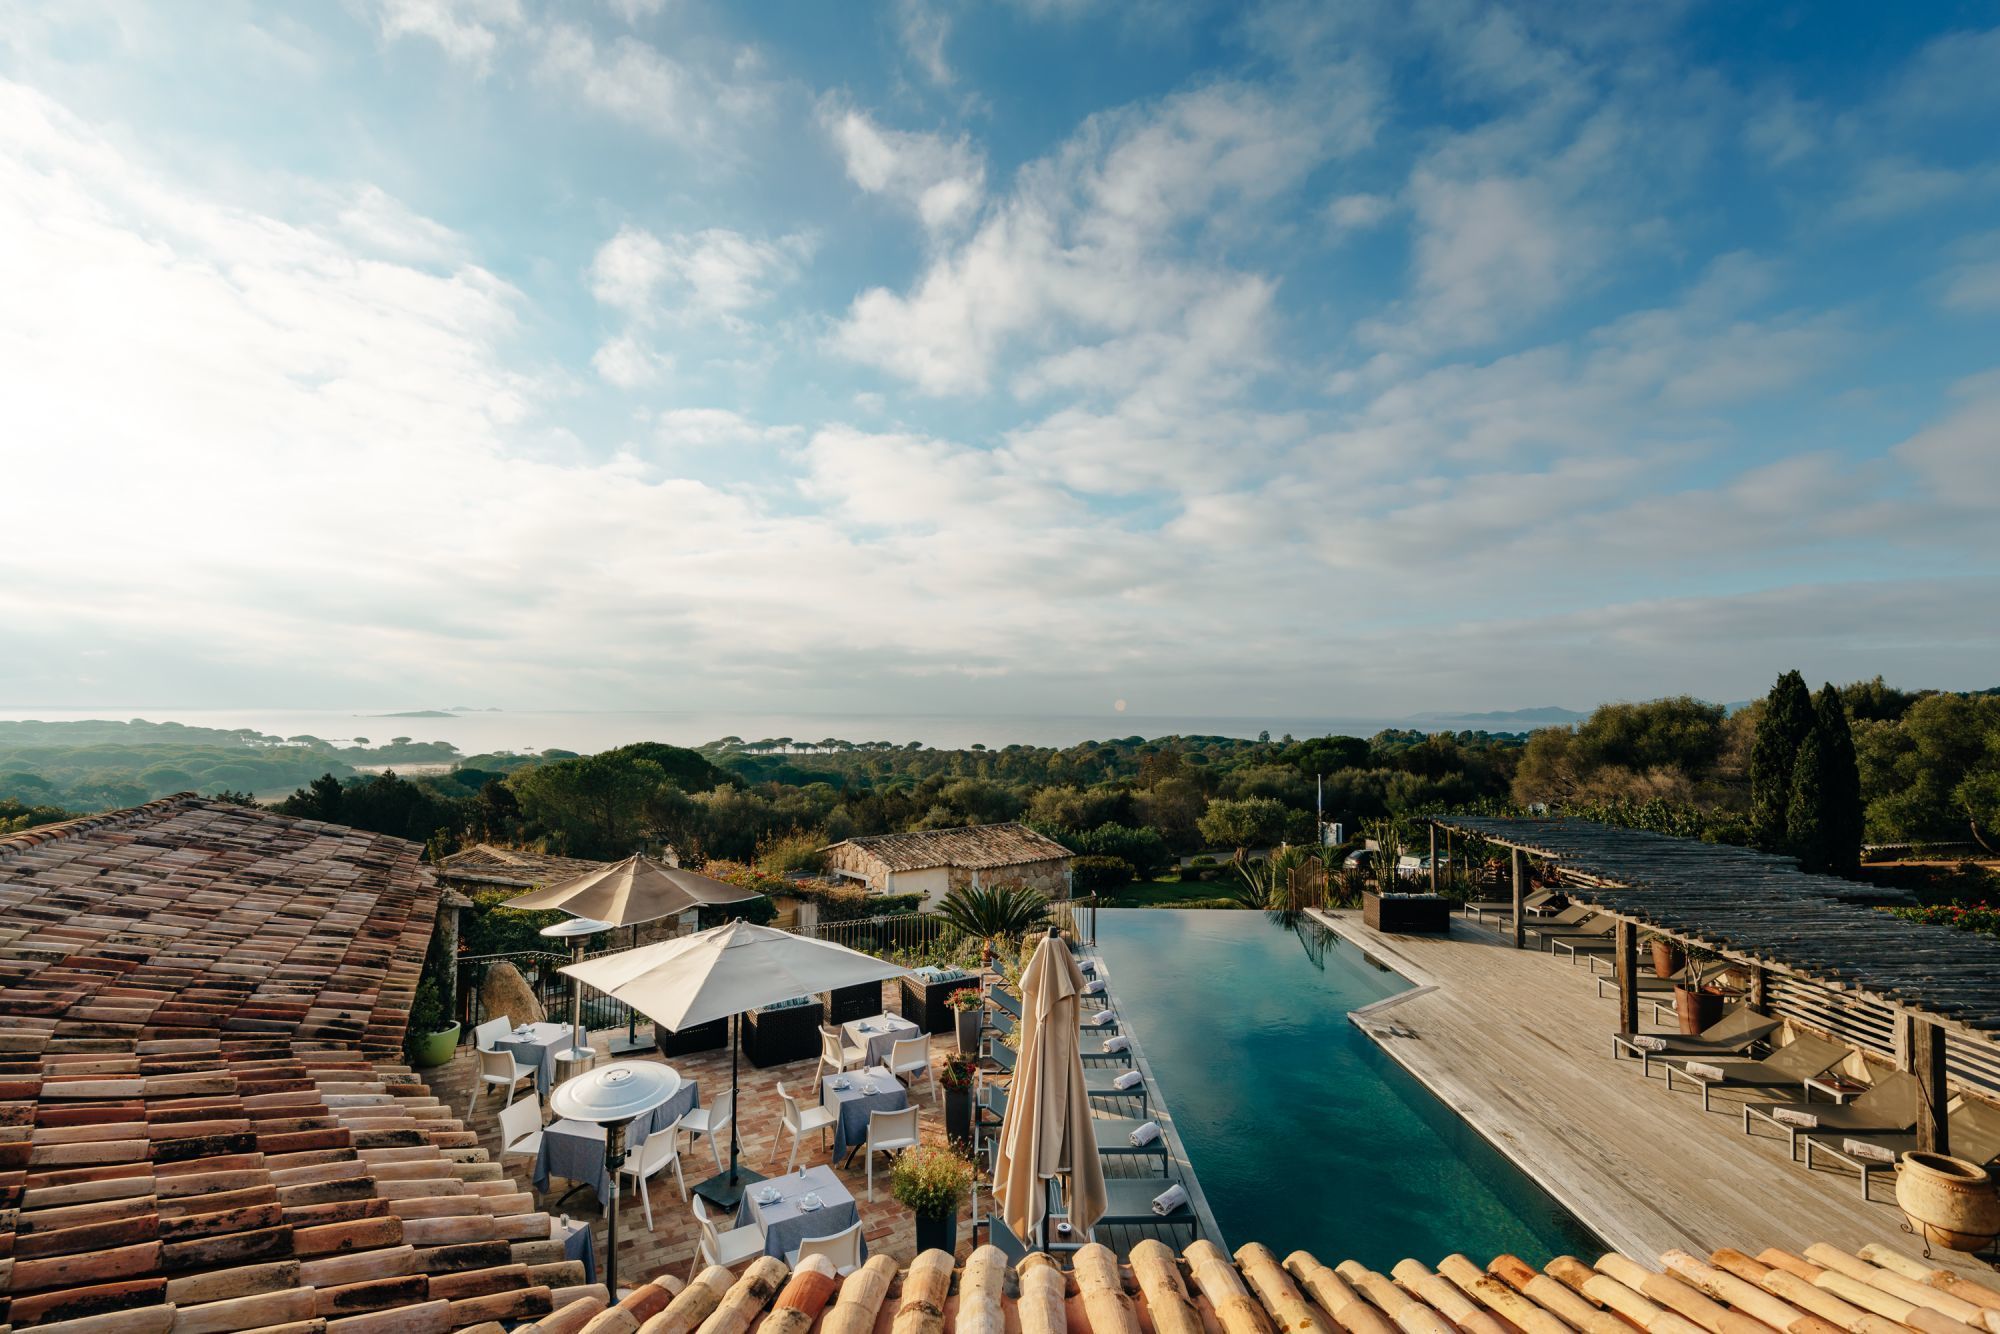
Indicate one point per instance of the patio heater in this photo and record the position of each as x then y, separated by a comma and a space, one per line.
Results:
574, 931
614, 1096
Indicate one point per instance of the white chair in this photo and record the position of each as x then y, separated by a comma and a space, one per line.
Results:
727, 1249
648, 1160
910, 1056
484, 1035
711, 1121
801, 1120
521, 1129
843, 1248
499, 1067
887, 1133
835, 1050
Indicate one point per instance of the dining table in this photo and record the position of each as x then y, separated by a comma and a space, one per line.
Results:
810, 1203
535, 1046
877, 1034
851, 1095
574, 1150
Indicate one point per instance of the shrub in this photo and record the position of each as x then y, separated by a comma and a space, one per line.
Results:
778, 854
1143, 847
427, 1016
930, 1180
1090, 875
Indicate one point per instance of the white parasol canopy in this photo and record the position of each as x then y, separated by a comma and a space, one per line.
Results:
635, 890
1047, 1130
727, 970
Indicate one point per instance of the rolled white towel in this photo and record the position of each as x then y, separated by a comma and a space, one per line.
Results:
1867, 1152
1703, 1070
1792, 1116
1093, 988
1131, 1079
1145, 1134
1170, 1199
1117, 1042
1649, 1042
1101, 1018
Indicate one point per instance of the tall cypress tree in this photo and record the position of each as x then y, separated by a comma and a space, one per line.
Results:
1788, 719
1840, 780
1806, 824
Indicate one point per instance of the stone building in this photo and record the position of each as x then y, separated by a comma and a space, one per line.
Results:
932, 862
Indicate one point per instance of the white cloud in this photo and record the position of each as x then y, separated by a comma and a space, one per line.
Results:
1890, 187
633, 11
716, 428
941, 180
1973, 284
698, 103
1359, 212
468, 31
923, 28
1958, 458
627, 362
378, 222
714, 273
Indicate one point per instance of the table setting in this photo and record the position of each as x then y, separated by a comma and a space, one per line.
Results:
535, 1046
797, 1207
877, 1034
852, 1095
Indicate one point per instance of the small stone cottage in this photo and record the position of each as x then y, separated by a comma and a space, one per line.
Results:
932, 862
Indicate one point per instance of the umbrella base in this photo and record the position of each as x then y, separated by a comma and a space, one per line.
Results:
725, 1189
624, 1046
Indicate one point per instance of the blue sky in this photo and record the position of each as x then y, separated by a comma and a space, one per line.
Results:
1342, 359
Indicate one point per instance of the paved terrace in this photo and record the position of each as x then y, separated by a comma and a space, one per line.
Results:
1518, 1043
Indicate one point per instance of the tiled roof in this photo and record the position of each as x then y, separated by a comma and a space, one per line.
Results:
489, 864
186, 918
974, 847
178, 1188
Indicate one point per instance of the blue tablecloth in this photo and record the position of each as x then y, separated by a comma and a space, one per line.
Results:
784, 1227
574, 1150
577, 1246
878, 1033
851, 1129
536, 1047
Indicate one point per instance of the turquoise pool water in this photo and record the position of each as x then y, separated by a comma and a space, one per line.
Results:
1302, 1132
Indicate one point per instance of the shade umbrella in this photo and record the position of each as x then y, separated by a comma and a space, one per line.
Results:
720, 973
627, 893
1047, 1132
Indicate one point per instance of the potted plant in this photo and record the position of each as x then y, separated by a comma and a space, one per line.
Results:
1697, 1001
957, 1081
932, 1180
1666, 957
432, 1036
965, 1005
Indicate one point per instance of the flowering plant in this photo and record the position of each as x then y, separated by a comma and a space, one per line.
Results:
965, 998
930, 1179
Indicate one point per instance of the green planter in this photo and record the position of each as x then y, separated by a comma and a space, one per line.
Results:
434, 1049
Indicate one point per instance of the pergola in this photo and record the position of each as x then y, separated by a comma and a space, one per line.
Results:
1763, 912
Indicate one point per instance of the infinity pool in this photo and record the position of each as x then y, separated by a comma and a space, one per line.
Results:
1302, 1133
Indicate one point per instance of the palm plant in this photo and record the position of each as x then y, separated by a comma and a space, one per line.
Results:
1292, 878
995, 912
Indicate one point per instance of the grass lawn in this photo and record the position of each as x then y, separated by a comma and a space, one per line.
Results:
1166, 894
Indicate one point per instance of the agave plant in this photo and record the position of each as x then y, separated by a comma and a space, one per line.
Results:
1292, 878
995, 912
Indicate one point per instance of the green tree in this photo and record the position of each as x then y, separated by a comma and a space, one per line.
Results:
1244, 822
1840, 782
1788, 719
1807, 827
595, 804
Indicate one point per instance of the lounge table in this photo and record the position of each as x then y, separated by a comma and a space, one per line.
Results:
782, 1223
535, 1046
878, 1033
853, 1104
574, 1150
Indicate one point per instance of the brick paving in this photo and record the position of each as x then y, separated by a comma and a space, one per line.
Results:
889, 1227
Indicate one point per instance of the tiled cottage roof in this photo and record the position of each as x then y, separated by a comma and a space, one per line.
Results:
973, 847
186, 918
181, 1189
488, 864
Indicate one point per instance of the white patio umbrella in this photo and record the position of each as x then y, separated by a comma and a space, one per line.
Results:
1046, 1131
720, 973
628, 893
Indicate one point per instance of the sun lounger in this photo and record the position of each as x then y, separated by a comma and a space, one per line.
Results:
1113, 1133
1098, 1085
1889, 1107
1787, 1066
1505, 907
1973, 1128
1645, 981
1594, 936
1740, 1029
1573, 916
1128, 1202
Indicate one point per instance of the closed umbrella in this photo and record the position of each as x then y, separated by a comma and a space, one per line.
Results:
1046, 1132
627, 893
721, 973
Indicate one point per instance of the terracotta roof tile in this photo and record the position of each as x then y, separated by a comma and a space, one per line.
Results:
974, 847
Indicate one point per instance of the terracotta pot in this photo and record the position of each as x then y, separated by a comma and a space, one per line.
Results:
1697, 1011
1666, 958
1949, 1201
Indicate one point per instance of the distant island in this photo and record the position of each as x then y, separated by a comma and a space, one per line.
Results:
414, 713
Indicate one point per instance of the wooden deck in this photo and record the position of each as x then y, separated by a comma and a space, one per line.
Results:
1518, 1043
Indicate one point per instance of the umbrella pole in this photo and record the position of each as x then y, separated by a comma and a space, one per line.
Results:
735, 1054
631, 1013
576, 993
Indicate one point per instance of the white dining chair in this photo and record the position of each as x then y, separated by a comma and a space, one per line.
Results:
911, 1056
501, 1068
835, 1050
709, 1122
483, 1036
889, 1132
649, 1160
802, 1119
843, 1248
521, 1129
727, 1249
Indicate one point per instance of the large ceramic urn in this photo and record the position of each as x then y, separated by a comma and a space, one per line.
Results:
1949, 1201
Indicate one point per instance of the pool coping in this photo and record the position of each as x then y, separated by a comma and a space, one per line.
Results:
1423, 983
1158, 1110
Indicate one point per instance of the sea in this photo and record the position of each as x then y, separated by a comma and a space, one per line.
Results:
476, 731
